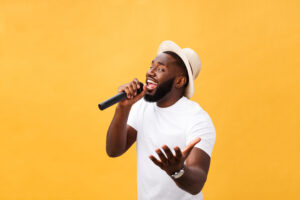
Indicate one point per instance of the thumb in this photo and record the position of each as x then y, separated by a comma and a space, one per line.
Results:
142, 94
189, 148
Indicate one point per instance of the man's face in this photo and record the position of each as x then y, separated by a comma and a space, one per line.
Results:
160, 77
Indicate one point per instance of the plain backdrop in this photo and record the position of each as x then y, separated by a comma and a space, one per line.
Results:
59, 59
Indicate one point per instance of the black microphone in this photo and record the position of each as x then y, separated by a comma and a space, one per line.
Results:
117, 98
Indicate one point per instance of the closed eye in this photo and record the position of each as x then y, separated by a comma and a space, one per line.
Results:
161, 69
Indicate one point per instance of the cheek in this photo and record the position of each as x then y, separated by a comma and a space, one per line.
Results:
160, 78
164, 76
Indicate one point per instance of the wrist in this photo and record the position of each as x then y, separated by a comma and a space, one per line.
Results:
123, 107
179, 173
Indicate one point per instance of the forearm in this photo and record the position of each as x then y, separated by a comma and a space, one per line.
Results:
116, 139
192, 180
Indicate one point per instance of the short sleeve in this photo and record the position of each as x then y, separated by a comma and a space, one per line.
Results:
202, 126
133, 115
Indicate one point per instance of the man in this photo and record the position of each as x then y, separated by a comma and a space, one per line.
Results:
164, 119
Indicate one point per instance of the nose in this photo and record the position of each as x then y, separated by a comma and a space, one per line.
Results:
151, 72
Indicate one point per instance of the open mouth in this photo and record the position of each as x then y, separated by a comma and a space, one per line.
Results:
151, 85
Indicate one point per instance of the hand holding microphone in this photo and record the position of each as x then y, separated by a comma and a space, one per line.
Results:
128, 94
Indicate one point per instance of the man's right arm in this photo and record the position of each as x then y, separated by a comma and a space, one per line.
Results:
121, 136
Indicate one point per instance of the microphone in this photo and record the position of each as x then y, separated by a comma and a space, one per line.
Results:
117, 98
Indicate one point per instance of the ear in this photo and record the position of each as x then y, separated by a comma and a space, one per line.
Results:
180, 81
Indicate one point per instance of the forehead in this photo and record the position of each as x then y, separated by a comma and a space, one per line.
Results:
164, 59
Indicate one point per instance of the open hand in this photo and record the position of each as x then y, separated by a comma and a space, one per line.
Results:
173, 163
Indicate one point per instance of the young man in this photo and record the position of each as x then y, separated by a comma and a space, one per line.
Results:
165, 123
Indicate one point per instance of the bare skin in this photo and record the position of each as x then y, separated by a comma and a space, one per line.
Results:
121, 136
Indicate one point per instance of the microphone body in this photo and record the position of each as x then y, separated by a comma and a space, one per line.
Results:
117, 98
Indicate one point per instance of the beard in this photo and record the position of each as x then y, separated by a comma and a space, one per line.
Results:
161, 91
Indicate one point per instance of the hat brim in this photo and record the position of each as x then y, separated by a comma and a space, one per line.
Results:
171, 46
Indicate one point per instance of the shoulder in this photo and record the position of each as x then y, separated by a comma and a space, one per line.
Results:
197, 116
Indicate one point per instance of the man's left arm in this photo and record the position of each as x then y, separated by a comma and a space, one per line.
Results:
194, 161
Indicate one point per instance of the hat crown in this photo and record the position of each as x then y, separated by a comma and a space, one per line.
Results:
194, 61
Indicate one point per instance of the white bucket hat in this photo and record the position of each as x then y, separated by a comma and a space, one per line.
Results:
191, 60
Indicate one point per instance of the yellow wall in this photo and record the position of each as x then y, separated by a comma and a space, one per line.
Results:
59, 59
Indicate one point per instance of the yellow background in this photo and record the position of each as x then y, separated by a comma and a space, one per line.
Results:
59, 59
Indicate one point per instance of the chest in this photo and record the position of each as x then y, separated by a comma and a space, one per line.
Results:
162, 128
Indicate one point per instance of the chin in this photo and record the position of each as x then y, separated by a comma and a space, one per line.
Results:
151, 92
150, 98
154, 97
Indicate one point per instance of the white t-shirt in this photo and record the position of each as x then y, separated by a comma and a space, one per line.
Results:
176, 125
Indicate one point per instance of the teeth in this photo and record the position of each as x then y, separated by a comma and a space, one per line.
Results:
150, 81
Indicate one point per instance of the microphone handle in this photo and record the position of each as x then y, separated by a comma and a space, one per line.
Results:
117, 98
111, 101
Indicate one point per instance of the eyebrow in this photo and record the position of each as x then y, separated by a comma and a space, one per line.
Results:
159, 63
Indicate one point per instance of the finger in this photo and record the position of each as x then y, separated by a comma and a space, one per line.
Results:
143, 92
191, 144
189, 148
161, 156
122, 88
134, 88
126, 90
168, 152
155, 161
178, 154
137, 83
130, 90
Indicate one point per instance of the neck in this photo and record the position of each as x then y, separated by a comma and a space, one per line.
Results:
169, 99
